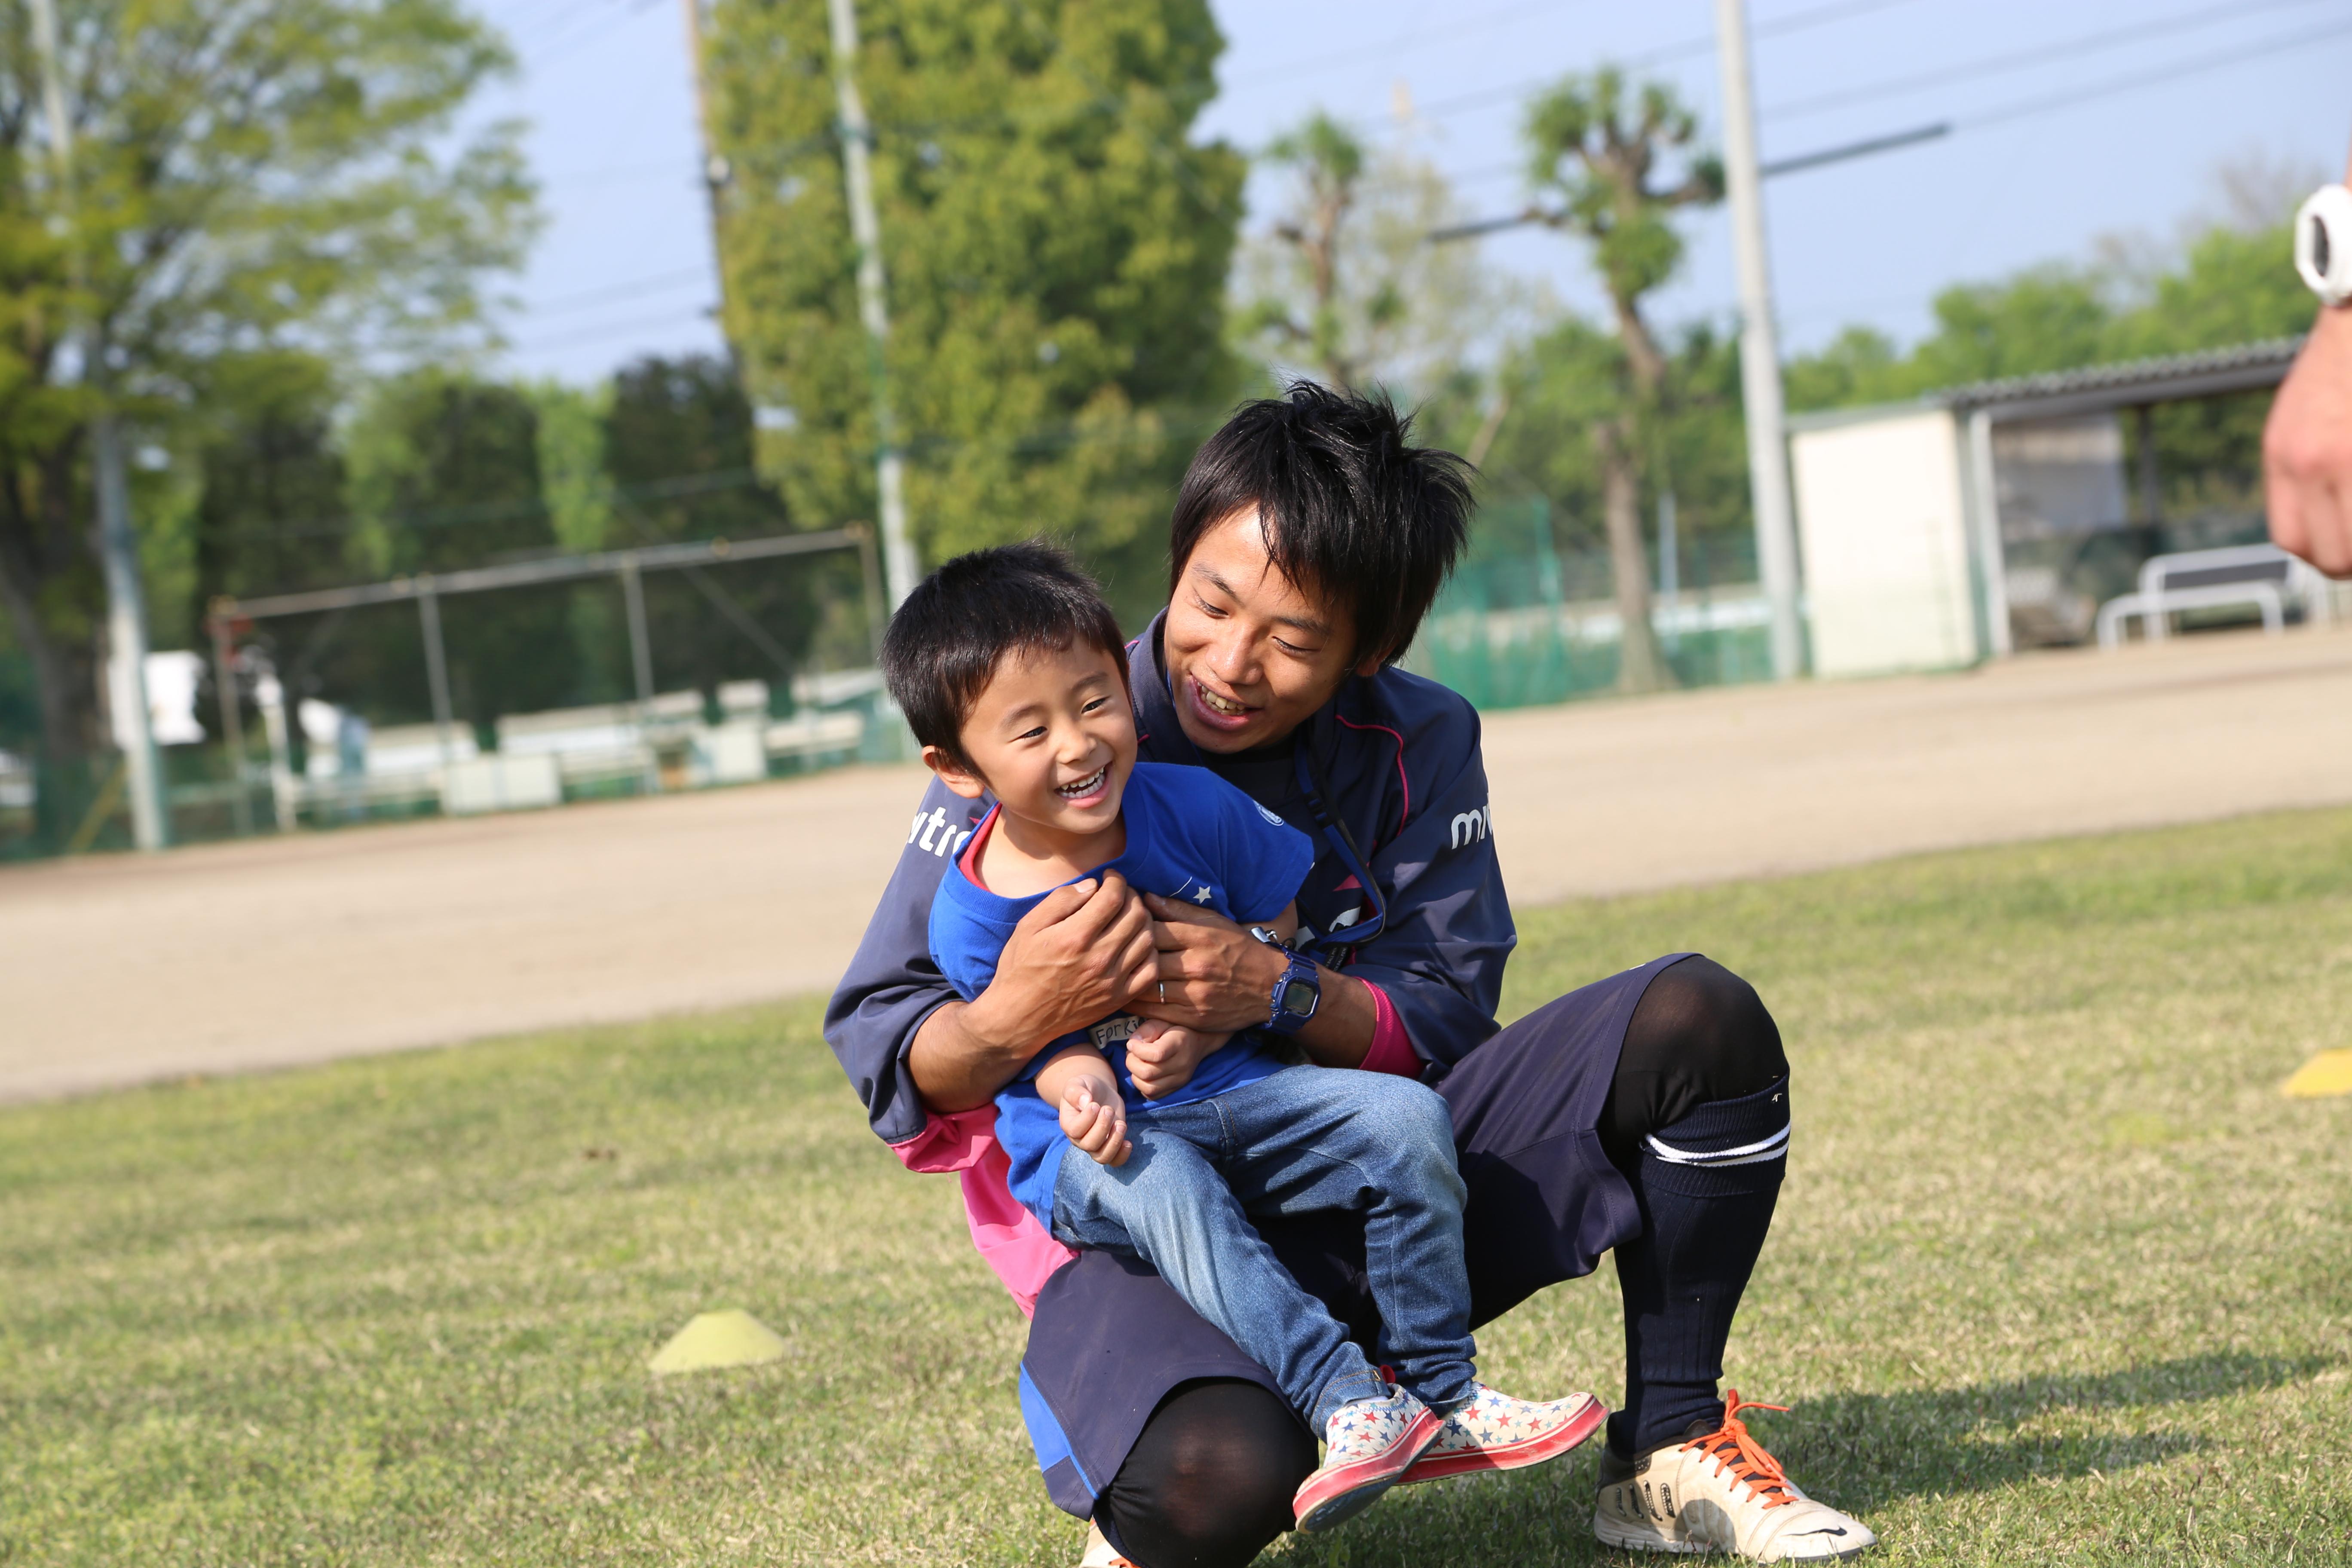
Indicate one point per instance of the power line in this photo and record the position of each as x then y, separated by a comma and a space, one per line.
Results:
2026, 59
1451, 30
565, 48
628, 290
2073, 96
618, 328
2047, 103
666, 170
1796, 22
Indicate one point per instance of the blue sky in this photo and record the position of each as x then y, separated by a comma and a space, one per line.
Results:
2071, 119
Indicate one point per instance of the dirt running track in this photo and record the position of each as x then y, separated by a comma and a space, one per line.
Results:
120, 969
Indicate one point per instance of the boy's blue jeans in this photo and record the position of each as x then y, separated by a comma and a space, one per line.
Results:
1304, 1138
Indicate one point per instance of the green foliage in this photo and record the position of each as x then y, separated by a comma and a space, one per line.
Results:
1344, 283
570, 446
1056, 252
2057, 1275
2229, 286
677, 446
246, 179
1596, 140
1565, 383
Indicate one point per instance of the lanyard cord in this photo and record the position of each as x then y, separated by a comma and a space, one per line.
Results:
1335, 831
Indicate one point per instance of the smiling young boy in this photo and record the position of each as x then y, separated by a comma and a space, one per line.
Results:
1011, 671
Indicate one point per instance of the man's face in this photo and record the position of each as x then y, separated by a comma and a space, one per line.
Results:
1250, 654
1054, 735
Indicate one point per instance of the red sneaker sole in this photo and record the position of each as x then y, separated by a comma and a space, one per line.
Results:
1326, 1499
1550, 1444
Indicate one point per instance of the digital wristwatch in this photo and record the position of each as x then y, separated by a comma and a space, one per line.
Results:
1296, 990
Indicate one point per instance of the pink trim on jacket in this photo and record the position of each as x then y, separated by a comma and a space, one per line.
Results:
1404, 814
1391, 1051
1012, 1243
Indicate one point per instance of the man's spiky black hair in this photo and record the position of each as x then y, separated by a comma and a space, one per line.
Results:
960, 623
1352, 508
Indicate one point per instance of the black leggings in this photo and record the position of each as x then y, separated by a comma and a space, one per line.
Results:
1209, 1482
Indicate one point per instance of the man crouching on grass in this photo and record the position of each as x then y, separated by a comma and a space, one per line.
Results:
1646, 1114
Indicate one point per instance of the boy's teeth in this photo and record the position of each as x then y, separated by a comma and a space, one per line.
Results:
1084, 786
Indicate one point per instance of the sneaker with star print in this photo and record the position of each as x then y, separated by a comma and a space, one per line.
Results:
1496, 1432
1718, 1491
1368, 1445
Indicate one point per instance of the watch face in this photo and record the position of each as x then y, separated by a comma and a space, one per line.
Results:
1299, 997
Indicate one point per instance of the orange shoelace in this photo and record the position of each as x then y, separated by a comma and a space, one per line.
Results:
1732, 1446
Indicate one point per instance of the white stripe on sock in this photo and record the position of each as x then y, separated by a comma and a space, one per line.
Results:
1746, 1154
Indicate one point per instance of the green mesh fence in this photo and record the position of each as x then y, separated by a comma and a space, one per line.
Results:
1522, 624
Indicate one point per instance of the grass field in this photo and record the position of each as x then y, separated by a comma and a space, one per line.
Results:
2059, 1277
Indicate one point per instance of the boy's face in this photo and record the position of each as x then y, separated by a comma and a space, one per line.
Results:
1053, 735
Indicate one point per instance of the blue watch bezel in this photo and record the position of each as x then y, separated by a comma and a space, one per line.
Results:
1282, 1018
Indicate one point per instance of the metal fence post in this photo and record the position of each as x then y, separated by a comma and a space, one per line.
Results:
641, 656
436, 667
232, 719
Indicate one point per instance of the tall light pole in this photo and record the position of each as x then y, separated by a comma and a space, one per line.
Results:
899, 570
1759, 350
118, 548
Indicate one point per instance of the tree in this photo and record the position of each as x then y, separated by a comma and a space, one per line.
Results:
1056, 255
678, 444
1596, 144
1346, 280
248, 179
2223, 284
1557, 386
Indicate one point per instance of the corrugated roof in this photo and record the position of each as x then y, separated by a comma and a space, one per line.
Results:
2141, 375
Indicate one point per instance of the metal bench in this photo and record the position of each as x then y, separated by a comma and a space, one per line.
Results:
2259, 575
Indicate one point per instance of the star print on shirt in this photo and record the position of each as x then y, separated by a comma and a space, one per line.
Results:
1202, 896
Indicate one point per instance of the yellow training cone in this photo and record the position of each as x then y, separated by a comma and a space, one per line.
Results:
2329, 1072
731, 1338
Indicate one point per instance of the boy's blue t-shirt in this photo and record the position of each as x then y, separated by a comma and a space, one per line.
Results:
1190, 835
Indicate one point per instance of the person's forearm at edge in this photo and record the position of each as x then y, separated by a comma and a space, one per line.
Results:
2307, 446
964, 1052
1340, 1033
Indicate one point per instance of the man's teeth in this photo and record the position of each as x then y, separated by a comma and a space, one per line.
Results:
1084, 786
1217, 704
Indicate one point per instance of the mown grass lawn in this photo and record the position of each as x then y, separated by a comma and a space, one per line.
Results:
2060, 1277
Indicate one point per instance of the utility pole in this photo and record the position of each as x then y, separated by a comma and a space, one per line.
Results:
1759, 350
899, 570
118, 548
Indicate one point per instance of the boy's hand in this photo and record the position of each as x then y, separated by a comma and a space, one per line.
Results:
1097, 1127
1161, 1056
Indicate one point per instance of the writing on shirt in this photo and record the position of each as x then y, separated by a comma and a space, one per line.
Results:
933, 833
1472, 826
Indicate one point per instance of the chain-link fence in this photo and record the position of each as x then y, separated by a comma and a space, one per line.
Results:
1523, 623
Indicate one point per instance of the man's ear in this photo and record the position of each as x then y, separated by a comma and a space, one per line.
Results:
957, 776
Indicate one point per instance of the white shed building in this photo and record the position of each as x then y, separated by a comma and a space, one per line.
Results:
1925, 529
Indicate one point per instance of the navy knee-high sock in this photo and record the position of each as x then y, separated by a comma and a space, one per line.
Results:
1707, 1185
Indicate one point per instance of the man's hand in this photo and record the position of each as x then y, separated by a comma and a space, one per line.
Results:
1095, 1124
2307, 450
1073, 960
1212, 976
1161, 1056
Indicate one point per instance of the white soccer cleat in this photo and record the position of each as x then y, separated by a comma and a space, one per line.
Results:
1719, 1491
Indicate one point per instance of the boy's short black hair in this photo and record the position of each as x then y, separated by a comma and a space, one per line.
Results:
1352, 509
946, 639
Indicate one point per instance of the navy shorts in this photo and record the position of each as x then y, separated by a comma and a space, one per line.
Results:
1111, 1339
